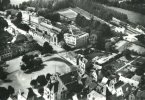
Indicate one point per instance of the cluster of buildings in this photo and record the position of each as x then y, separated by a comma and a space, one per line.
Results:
100, 74
75, 38
110, 73
15, 49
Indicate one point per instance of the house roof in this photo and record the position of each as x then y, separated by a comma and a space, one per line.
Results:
69, 13
123, 45
19, 38
126, 88
69, 77
93, 85
141, 94
72, 54
97, 95
13, 11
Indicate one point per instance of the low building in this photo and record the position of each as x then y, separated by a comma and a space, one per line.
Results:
70, 56
82, 62
132, 46
76, 38
124, 90
118, 22
68, 83
42, 26
101, 57
67, 14
14, 50
48, 31
131, 30
93, 95
119, 29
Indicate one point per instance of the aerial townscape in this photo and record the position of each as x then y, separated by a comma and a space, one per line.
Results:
72, 50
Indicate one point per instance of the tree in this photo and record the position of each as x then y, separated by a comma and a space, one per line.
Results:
31, 62
3, 24
19, 17
78, 20
24, 27
17, 7
25, 59
141, 38
95, 24
8, 13
105, 29
65, 46
23, 6
4, 4
47, 48
108, 46
127, 54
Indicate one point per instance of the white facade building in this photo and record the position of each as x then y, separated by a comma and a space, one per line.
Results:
95, 96
76, 38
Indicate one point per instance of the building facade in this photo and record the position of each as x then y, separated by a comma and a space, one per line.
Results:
76, 38
42, 27
14, 50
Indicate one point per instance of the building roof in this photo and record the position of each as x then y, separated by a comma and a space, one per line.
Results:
13, 11
101, 57
97, 95
126, 88
123, 45
50, 27
69, 77
70, 80
19, 38
72, 54
141, 94
69, 13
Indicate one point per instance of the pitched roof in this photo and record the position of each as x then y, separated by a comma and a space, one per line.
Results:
123, 45
69, 77
20, 38
97, 95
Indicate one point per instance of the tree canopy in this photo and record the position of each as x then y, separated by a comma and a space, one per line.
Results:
4, 4
47, 48
3, 24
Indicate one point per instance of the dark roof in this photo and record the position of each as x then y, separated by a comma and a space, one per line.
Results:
21, 37
127, 89
69, 77
93, 85
74, 87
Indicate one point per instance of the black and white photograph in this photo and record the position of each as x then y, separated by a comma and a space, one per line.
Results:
72, 49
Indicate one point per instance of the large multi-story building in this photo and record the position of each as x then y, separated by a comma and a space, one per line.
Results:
76, 38
42, 26
14, 50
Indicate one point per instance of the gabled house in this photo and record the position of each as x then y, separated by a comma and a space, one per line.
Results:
124, 90
68, 84
81, 62
93, 95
